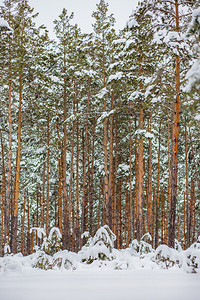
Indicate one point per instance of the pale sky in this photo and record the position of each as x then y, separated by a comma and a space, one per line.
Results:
49, 10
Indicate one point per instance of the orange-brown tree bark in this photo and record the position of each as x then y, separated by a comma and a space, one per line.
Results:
3, 192
8, 199
91, 193
22, 226
17, 174
47, 198
77, 228
43, 198
173, 200
85, 147
111, 166
140, 179
150, 190
158, 192
65, 214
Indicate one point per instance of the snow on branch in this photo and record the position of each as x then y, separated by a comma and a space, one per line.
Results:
4, 25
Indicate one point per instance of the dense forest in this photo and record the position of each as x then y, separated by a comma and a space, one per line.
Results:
101, 128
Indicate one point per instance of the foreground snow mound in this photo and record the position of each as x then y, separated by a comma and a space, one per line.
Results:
15, 263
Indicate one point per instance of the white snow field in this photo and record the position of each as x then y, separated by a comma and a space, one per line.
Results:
139, 284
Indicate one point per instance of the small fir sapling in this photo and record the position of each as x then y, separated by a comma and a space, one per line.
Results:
99, 247
42, 261
53, 243
65, 260
166, 257
143, 246
193, 256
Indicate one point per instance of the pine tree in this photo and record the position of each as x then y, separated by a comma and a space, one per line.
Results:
63, 32
103, 28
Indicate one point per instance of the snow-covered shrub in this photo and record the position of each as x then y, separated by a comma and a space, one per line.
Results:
105, 235
52, 244
60, 260
99, 247
193, 256
143, 246
43, 257
166, 257
134, 246
64, 260
178, 246
42, 260
123, 259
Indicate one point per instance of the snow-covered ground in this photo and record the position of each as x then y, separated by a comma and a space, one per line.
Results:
102, 284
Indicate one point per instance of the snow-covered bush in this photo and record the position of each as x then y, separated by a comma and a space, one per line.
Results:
143, 246
99, 252
65, 260
42, 260
178, 246
60, 260
193, 256
99, 247
166, 257
134, 247
53, 243
105, 235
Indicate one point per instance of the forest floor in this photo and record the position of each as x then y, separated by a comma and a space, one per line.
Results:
104, 284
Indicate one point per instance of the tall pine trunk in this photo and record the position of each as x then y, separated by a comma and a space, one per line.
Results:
172, 211
91, 194
111, 166
65, 233
158, 192
85, 147
140, 179
17, 175
187, 187
3, 193
150, 190
60, 194
77, 229
22, 226
47, 202
71, 174
130, 220
9, 173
